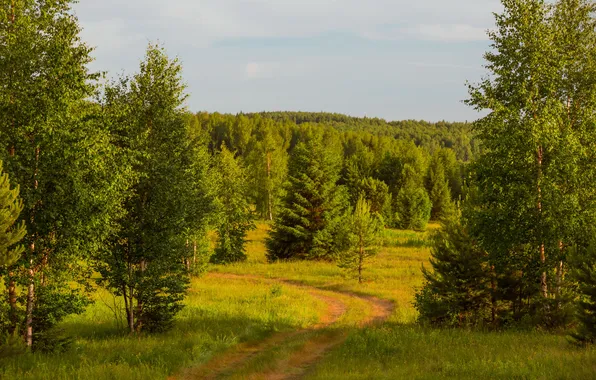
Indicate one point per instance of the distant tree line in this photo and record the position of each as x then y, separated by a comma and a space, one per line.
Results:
406, 183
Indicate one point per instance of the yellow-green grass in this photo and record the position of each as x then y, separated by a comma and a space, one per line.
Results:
392, 274
409, 352
401, 350
219, 313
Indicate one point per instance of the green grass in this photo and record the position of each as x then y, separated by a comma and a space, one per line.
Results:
411, 352
219, 313
223, 312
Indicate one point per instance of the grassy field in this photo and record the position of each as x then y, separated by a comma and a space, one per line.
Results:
225, 311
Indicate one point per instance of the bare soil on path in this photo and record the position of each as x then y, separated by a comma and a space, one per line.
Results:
300, 361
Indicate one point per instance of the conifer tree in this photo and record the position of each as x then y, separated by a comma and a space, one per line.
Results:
412, 205
443, 207
457, 291
453, 172
377, 194
307, 224
584, 273
234, 217
10, 233
366, 227
358, 165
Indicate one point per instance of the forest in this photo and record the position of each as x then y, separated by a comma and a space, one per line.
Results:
140, 239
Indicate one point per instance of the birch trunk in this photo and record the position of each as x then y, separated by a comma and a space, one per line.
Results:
12, 301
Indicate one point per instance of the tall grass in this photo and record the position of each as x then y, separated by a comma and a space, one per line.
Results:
219, 313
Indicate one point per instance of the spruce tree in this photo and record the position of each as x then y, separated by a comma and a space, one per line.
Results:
10, 233
412, 205
377, 194
365, 227
457, 292
234, 217
307, 224
584, 273
453, 172
443, 207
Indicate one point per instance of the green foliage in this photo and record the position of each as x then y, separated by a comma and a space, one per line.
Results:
535, 179
377, 193
166, 203
57, 153
10, 208
365, 227
234, 217
584, 273
263, 142
454, 171
439, 193
307, 225
457, 292
11, 345
431, 136
412, 204
267, 164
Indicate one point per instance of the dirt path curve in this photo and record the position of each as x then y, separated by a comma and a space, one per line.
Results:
300, 361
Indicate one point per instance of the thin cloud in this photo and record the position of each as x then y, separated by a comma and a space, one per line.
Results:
453, 32
255, 70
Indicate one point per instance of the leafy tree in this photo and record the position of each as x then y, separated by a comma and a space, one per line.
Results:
307, 223
235, 217
412, 205
201, 190
49, 130
10, 234
267, 161
454, 136
366, 227
166, 203
458, 290
536, 175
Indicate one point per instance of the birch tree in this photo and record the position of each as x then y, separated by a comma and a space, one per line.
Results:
536, 175
48, 130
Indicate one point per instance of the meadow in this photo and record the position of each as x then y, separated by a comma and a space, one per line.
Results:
256, 320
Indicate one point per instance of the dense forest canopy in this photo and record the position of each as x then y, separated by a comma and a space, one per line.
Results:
457, 136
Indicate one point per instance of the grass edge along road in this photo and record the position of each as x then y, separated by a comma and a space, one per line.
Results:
313, 342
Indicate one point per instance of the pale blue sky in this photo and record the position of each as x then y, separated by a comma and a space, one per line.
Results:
393, 59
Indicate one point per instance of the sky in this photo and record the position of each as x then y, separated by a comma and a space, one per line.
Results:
394, 59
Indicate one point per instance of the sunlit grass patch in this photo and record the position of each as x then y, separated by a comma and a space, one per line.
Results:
219, 313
